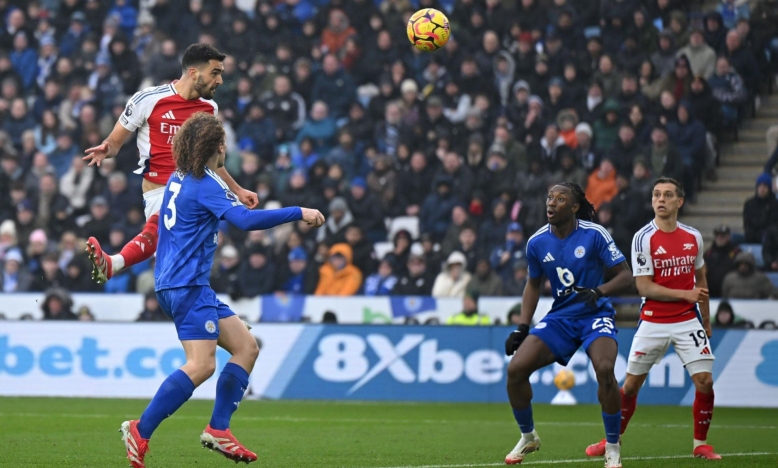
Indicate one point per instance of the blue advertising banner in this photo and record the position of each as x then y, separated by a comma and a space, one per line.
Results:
357, 362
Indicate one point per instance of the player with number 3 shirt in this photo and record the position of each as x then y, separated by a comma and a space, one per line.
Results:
670, 274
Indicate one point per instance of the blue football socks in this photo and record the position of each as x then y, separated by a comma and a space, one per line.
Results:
524, 418
612, 424
230, 388
173, 393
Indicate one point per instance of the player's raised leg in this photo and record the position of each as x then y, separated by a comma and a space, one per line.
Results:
140, 248
232, 384
532, 355
602, 352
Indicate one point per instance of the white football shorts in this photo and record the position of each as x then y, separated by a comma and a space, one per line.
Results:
652, 340
152, 201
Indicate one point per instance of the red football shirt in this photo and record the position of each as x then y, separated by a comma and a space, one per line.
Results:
671, 259
157, 113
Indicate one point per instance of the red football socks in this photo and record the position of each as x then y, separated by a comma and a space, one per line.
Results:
703, 413
628, 405
142, 246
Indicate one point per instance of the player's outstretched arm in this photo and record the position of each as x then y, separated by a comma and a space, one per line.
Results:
109, 147
650, 290
248, 220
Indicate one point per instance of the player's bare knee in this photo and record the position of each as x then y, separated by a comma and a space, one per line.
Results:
703, 382
517, 372
632, 384
253, 351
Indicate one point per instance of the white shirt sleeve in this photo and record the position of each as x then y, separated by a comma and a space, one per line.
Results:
699, 261
137, 110
642, 264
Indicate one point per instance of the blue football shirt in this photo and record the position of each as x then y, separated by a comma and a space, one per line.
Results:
578, 260
188, 227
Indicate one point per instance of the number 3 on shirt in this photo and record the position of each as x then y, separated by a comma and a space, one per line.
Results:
170, 221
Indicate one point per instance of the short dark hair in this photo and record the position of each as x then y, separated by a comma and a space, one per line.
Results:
200, 54
669, 180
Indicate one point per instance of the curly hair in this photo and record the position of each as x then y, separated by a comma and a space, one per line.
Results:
586, 210
196, 142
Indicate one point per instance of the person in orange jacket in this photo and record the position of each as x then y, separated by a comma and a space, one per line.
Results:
339, 277
601, 186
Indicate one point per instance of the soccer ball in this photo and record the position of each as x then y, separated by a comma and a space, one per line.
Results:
428, 29
564, 380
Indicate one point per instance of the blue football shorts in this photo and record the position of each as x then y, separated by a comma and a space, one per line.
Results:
564, 335
195, 310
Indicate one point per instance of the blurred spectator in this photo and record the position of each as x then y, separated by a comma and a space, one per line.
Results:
726, 318
625, 149
76, 183
728, 88
453, 280
418, 280
256, 275
338, 277
770, 248
720, 259
515, 285
503, 257
164, 66
493, 229
225, 273
329, 317
297, 276
485, 281
78, 276
18, 121
436, 210
15, 276
601, 186
702, 57
742, 60
100, 220
50, 276
733, 10
366, 209
24, 59
468, 245
688, 137
470, 314
258, 131
414, 185
382, 282
760, 211
334, 87
747, 282
320, 127
663, 157
339, 218
58, 305
152, 312
62, 156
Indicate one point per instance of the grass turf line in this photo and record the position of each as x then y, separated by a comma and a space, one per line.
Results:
45, 432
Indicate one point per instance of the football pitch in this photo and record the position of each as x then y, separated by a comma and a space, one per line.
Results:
58, 432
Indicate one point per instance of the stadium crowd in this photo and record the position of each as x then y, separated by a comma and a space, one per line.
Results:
327, 105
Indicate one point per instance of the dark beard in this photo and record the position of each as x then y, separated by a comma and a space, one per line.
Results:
203, 90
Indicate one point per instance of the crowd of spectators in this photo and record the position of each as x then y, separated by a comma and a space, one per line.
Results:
327, 105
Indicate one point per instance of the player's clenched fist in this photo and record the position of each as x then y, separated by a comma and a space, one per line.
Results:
697, 295
515, 339
312, 217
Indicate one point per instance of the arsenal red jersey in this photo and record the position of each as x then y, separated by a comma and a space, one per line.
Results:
157, 113
671, 259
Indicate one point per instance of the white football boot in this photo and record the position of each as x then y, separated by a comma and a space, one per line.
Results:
527, 444
612, 456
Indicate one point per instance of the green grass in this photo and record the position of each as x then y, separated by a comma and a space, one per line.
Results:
56, 432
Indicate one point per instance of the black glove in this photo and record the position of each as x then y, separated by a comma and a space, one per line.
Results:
515, 339
589, 296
